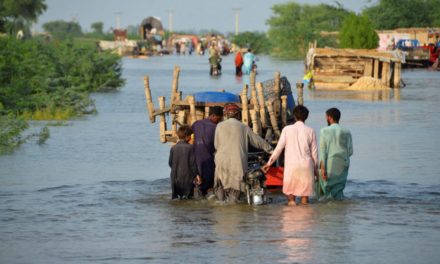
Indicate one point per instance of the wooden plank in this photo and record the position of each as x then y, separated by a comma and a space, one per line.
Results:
397, 74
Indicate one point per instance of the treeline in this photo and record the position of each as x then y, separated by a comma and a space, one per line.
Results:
60, 29
293, 26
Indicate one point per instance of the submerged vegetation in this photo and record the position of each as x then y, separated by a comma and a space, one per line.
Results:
42, 80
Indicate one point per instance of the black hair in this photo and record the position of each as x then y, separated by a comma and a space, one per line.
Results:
334, 113
184, 131
216, 110
300, 113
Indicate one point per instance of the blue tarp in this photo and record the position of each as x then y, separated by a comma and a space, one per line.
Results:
216, 97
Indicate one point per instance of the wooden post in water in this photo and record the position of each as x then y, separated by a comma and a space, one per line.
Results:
385, 73
273, 119
284, 110
397, 74
376, 69
262, 105
162, 124
192, 109
244, 109
300, 92
150, 105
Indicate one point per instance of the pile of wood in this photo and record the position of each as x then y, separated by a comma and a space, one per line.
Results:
266, 115
341, 68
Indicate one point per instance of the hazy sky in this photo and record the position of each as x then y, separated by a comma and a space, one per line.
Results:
187, 15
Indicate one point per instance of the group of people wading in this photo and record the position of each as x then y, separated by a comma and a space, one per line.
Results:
213, 154
244, 63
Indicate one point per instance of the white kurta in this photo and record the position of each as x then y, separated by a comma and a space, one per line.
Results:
231, 157
300, 159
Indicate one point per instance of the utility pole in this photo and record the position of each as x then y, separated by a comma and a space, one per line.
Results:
118, 19
170, 20
237, 16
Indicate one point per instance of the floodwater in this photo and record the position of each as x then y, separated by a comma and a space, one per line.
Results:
97, 191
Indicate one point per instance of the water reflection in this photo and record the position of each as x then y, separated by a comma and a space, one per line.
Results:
296, 227
377, 95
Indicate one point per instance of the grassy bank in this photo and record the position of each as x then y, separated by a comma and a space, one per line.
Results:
42, 80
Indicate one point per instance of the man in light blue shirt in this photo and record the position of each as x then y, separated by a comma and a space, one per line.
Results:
335, 149
248, 62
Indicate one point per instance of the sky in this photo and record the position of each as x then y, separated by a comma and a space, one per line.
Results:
187, 14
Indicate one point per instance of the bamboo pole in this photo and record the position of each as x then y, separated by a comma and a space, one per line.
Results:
150, 105
300, 92
273, 119
162, 124
254, 118
277, 84
244, 109
206, 111
192, 109
262, 105
277, 89
254, 100
252, 80
397, 74
175, 85
174, 97
284, 110
245, 90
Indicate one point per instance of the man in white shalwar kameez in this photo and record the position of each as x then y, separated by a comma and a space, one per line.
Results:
231, 157
300, 158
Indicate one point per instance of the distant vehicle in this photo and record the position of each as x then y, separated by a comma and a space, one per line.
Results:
416, 55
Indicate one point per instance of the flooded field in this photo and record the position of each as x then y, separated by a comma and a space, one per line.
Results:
98, 190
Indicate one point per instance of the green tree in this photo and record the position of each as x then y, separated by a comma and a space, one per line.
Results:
293, 26
257, 41
391, 14
60, 29
98, 28
357, 32
18, 14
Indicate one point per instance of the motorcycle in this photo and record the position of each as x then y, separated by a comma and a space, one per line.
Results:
255, 180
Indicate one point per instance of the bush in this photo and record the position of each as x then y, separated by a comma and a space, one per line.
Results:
50, 81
